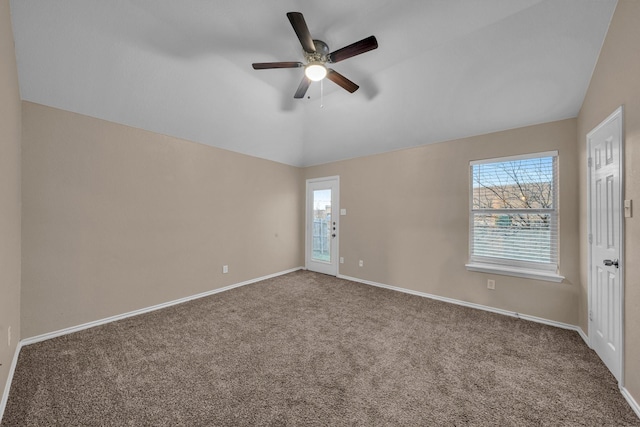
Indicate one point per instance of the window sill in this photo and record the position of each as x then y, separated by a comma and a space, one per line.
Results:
514, 271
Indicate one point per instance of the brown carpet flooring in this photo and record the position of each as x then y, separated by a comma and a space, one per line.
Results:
309, 349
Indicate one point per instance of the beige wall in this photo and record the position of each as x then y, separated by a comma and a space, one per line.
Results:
408, 220
615, 82
116, 218
10, 129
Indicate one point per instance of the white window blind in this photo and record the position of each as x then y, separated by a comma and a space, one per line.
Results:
514, 211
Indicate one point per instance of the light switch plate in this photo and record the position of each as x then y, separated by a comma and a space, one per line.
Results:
627, 208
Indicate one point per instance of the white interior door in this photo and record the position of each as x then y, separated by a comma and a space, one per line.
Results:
322, 225
606, 298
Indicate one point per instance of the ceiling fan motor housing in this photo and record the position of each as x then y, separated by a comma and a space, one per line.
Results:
320, 55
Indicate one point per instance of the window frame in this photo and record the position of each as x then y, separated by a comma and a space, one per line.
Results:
512, 267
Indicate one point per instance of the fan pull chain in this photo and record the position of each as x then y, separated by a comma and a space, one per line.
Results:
322, 93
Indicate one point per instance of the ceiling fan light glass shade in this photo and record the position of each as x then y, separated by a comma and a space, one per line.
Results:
315, 71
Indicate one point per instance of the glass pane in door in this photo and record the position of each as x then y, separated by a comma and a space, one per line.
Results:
321, 249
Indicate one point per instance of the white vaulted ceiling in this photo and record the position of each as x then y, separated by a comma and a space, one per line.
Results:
443, 69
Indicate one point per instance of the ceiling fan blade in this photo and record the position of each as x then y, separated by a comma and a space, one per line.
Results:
302, 88
302, 31
342, 81
362, 46
268, 65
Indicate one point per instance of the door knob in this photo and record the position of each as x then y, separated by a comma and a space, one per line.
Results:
333, 235
609, 263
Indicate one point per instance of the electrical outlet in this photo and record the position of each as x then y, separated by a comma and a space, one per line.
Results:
225, 269
491, 284
341, 260
361, 263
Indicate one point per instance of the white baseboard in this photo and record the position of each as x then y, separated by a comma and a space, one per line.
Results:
12, 369
584, 336
471, 305
632, 402
70, 330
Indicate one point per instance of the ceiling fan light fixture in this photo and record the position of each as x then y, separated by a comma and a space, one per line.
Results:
315, 71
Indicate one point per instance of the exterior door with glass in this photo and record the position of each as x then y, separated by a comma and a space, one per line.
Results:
322, 225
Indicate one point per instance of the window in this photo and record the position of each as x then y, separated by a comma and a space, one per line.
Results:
514, 216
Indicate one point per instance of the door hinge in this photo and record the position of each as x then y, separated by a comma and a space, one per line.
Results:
590, 316
590, 161
590, 238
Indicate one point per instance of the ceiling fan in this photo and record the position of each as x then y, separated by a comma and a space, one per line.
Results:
317, 55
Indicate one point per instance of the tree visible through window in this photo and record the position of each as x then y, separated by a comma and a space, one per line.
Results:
514, 217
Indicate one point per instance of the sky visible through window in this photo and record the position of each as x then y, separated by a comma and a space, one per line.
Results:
513, 172
321, 199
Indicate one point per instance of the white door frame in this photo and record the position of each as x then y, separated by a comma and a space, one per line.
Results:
335, 216
618, 113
